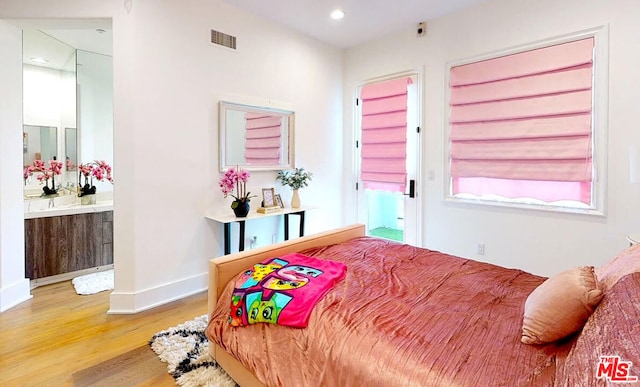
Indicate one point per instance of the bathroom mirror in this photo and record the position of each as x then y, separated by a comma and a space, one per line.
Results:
68, 84
39, 143
255, 137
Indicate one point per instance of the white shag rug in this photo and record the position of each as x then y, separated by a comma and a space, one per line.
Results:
185, 349
94, 282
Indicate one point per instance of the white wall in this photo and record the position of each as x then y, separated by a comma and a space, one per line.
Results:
14, 287
539, 242
168, 79
175, 85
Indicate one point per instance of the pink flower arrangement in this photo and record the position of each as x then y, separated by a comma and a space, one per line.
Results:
99, 169
235, 180
46, 173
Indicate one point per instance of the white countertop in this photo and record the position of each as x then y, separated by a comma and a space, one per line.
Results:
64, 205
71, 210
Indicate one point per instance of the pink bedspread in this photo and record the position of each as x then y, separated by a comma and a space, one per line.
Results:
402, 316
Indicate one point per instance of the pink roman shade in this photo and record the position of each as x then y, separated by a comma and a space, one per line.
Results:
384, 135
262, 139
524, 117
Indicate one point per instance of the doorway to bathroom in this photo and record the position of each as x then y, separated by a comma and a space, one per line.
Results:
67, 88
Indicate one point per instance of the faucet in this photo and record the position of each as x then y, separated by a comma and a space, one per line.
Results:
70, 188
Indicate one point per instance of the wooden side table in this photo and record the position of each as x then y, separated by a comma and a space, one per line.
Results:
229, 218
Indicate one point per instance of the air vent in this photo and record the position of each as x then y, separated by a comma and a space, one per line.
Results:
222, 39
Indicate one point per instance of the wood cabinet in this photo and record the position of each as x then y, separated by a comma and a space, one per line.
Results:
63, 244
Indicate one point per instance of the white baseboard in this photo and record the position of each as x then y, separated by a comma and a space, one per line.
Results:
67, 276
135, 302
17, 293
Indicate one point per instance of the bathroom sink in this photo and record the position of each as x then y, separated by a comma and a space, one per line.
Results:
57, 203
68, 204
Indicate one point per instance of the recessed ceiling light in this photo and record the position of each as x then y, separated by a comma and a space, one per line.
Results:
337, 14
39, 60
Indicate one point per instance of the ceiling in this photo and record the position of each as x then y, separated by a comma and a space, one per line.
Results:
57, 39
94, 39
365, 20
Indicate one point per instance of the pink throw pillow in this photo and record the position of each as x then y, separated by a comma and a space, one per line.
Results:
560, 305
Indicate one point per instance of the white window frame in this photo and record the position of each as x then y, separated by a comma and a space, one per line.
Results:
600, 105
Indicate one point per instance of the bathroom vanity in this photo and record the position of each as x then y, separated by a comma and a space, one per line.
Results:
66, 239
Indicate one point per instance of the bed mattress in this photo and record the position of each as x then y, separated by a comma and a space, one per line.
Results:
403, 316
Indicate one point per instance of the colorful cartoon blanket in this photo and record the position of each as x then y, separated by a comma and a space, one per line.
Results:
283, 290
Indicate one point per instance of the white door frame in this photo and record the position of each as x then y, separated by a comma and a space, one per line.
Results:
413, 229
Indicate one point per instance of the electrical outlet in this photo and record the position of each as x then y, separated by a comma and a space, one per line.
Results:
253, 241
480, 249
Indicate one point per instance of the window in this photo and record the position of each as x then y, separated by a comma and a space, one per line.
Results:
525, 127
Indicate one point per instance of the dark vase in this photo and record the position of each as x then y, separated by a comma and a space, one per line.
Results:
241, 209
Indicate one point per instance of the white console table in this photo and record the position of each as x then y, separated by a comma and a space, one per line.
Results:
228, 218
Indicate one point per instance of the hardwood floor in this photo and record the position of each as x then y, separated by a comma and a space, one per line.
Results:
57, 333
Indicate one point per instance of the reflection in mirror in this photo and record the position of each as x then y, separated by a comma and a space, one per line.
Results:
71, 148
68, 83
255, 138
39, 143
49, 97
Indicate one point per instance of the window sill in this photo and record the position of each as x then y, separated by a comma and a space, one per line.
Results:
525, 206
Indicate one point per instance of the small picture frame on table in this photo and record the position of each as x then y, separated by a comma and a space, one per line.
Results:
268, 197
279, 201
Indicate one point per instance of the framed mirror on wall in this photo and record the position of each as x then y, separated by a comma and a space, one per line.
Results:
255, 137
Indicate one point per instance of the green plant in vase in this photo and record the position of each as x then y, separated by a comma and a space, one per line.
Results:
296, 179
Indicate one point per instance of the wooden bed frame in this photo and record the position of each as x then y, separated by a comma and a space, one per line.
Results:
223, 269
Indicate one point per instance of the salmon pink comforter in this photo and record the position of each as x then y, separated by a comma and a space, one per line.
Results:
402, 316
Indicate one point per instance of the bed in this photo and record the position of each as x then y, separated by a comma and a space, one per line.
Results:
410, 316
